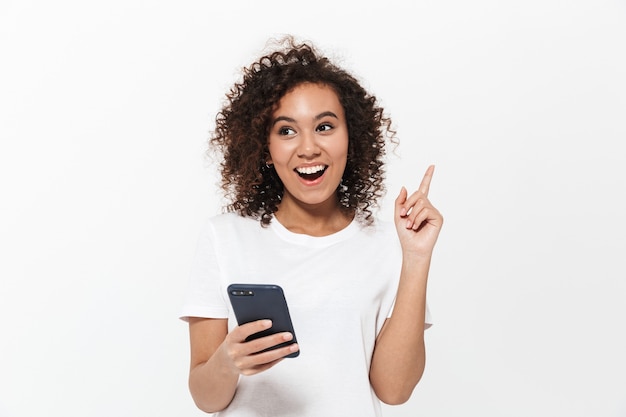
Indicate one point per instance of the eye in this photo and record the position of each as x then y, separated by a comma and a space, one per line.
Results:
286, 131
324, 127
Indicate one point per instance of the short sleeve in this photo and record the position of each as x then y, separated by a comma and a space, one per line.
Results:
428, 320
204, 295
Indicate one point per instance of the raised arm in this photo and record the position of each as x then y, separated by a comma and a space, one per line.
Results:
399, 355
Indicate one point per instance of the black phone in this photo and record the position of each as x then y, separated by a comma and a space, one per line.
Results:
253, 302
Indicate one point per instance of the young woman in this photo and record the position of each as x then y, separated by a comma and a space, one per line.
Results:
302, 145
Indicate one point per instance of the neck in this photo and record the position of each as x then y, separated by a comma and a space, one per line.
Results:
314, 220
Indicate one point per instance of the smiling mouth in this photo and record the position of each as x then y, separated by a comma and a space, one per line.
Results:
311, 173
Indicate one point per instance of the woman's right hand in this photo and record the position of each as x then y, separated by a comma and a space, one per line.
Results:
218, 358
246, 357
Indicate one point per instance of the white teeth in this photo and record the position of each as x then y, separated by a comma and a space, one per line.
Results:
310, 170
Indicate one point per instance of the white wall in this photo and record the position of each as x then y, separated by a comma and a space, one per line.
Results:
104, 112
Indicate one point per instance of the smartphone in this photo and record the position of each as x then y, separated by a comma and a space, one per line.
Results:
253, 302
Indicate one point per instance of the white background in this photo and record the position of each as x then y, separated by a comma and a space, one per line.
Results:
105, 108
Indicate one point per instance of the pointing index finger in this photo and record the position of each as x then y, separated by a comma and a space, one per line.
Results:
428, 176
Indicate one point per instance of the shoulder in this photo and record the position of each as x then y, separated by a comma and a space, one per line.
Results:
231, 220
380, 228
231, 225
381, 233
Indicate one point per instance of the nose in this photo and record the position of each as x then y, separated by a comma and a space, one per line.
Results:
308, 146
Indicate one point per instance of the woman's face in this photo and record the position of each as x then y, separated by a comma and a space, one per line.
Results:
308, 144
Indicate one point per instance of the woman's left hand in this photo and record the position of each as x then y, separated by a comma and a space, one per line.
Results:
417, 221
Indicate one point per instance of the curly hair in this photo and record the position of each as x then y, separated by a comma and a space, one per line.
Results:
242, 130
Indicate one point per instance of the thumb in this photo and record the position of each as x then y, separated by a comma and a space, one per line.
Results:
400, 200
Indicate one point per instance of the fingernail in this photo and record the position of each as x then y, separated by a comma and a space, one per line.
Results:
402, 212
409, 223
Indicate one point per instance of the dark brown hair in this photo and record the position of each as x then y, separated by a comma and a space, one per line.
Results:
242, 129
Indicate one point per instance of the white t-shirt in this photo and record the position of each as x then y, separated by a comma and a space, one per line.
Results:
340, 289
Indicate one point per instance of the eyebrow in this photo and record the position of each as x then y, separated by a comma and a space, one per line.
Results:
318, 117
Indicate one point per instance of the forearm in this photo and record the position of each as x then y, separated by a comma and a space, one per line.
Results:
212, 384
399, 356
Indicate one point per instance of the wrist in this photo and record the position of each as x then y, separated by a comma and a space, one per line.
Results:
416, 259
